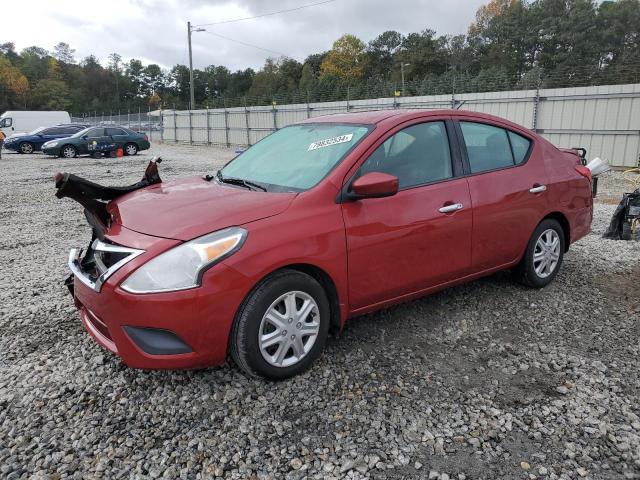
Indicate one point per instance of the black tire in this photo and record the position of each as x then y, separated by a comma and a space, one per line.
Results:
130, 149
525, 272
626, 231
68, 151
244, 344
26, 148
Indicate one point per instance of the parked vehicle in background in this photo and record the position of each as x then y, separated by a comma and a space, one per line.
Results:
33, 141
21, 122
131, 142
321, 221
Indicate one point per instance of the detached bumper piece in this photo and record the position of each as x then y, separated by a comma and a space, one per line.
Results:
157, 342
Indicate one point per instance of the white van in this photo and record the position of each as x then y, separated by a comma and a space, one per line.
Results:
16, 122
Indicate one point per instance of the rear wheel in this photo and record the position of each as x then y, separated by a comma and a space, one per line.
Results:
68, 151
543, 258
281, 327
130, 149
26, 147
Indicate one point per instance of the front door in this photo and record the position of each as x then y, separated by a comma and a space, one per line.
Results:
418, 238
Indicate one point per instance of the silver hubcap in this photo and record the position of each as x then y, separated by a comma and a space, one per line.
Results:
26, 148
546, 253
289, 329
131, 150
68, 152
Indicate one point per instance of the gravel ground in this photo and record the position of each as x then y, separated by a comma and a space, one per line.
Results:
486, 380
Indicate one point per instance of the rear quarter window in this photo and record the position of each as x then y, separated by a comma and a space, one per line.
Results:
520, 146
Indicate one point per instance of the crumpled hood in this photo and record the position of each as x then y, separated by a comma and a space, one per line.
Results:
192, 207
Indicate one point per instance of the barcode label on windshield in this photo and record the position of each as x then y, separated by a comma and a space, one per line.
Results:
330, 141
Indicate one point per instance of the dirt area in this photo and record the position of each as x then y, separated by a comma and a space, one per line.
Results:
486, 380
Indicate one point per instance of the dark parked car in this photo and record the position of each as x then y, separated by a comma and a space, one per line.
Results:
78, 144
33, 141
321, 221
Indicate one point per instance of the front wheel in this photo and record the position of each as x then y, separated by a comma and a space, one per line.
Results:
543, 258
281, 327
26, 147
130, 149
68, 151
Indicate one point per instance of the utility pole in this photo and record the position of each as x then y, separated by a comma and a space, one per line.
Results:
190, 29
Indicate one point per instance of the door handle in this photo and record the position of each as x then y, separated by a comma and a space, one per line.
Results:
538, 189
451, 208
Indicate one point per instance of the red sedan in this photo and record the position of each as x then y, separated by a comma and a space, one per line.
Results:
321, 221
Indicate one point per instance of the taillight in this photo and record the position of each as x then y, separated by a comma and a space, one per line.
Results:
584, 171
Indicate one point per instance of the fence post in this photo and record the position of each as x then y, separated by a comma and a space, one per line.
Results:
246, 121
348, 91
226, 127
275, 116
128, 119
208, 129
308, 106
536, 103
161, 125
190, 129
139, 118
175, 125
149, 122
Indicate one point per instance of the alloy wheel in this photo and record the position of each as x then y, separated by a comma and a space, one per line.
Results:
131, 149
68, 152
289, 328
26, 148
546, 253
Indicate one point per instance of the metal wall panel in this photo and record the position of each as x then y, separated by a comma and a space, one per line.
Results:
603, 119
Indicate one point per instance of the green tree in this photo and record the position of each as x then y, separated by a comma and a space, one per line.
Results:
346, 59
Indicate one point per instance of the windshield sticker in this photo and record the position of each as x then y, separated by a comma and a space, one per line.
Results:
330, 141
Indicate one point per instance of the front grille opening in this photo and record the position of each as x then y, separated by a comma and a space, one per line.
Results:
100, 257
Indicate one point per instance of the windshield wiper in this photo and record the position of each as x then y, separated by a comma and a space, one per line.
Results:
239, 181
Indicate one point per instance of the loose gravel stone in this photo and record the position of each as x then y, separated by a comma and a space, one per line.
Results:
465, 383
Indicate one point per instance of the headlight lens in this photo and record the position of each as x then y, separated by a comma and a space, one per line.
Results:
50, 144
182, 267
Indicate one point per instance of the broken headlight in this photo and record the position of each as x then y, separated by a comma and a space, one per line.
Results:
182, 267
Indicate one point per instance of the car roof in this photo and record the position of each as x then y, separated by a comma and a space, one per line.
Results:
375, 117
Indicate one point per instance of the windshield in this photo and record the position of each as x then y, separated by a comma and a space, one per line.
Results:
37, 130
296, 157
81, 133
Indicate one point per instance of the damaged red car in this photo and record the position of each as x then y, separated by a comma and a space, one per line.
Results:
320, 221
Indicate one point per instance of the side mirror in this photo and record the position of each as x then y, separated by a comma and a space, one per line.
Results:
374, 185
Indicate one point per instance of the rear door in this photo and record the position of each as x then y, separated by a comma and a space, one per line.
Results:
507, 182
419, 237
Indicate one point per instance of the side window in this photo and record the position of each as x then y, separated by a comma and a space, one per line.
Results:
6, 122
115, 131
416, 155
487, 146
95, 132
520, 146
53, 131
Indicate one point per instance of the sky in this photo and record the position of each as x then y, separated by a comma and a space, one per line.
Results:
155, 31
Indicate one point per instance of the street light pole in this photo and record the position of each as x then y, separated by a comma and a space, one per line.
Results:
190, 30
191, 93
402, 65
